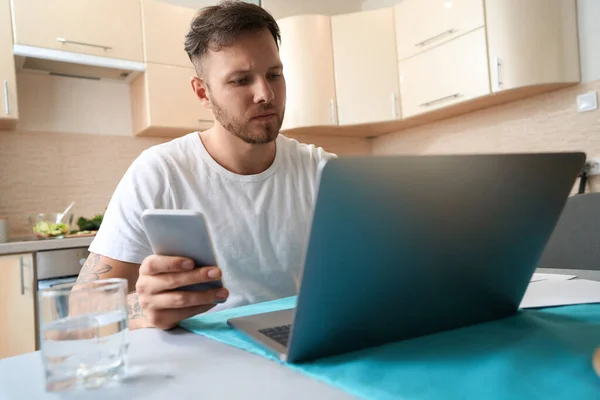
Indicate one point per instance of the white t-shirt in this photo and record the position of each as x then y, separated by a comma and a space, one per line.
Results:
259, 223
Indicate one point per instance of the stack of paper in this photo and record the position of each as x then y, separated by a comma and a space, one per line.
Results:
560, 291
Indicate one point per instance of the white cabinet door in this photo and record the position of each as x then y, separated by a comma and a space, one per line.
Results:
108, 28
164, 104
423, 24
165, 26
307, 57
17, 305
365, 64
9, 112
452, 73
532, 42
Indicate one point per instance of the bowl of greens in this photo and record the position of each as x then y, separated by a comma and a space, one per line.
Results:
46, 225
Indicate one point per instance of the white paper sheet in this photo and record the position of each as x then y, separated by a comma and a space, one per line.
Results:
550, 293
551, 277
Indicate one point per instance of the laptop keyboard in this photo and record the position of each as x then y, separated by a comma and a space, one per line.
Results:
280, 334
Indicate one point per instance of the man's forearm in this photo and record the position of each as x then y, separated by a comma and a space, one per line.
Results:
135, 312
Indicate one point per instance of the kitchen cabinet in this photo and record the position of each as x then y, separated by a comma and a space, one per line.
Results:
365, 65
17, 305
448, 74
9, 112
424, 24
164, 28
106, 28
164, 104
531, 42
307, 56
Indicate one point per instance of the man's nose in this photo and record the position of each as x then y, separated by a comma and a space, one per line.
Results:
263, 92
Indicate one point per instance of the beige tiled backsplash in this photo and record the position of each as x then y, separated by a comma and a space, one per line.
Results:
547, 122
45, 171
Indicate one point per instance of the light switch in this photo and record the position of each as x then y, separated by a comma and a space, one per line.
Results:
587, 102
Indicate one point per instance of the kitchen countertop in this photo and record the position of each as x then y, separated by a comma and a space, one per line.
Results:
30, 245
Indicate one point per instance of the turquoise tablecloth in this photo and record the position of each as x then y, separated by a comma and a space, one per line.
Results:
536, 354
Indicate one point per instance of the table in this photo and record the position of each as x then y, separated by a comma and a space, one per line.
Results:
177, 365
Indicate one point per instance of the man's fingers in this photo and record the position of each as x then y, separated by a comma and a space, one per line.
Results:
183, 299
154, 265
167, 319
155, 284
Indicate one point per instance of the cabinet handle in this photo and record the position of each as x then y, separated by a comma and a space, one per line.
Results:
441, 100
497, 67
63, 40
6, 108
331, 111
436, 37
205, 120
22, 275
394, 105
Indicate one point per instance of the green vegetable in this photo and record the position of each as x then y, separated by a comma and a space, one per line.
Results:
90, 224
49, 229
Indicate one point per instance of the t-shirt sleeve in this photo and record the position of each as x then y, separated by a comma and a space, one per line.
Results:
145, 185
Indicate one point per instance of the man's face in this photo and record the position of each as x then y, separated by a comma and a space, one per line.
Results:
244, 86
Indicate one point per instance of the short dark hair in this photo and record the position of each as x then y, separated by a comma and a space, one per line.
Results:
217, 26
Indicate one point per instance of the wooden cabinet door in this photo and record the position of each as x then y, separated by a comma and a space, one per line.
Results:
365, 65
423, 24
165, 26
532, 42
164, 104
9, 111
448, 74
17, 305
307, 56
107, 28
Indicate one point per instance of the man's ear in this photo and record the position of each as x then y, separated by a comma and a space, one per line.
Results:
201, 91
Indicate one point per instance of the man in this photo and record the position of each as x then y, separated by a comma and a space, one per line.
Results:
255, 187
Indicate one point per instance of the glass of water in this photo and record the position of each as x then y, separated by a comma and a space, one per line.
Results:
83, 328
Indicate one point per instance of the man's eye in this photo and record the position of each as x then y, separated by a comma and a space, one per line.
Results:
242, 81
274, 75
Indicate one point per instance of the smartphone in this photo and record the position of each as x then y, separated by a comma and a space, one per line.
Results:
182, 233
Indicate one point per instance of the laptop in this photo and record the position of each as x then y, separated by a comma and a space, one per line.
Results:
406, 246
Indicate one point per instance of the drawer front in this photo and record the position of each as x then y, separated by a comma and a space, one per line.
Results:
107, 28
451, 73
165, 27
423, 24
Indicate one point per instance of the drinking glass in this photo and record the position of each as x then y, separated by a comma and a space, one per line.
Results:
83, 334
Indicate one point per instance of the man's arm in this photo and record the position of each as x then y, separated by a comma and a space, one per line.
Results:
99, 267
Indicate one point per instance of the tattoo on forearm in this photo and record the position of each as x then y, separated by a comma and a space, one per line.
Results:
92, 269
133, 306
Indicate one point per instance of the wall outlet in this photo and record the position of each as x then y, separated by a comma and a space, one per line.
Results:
587, 102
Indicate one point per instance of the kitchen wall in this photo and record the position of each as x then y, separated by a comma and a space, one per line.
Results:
74, 142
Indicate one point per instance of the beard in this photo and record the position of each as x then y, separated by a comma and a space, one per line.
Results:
248, 129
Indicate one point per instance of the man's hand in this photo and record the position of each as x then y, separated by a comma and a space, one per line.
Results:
159, 301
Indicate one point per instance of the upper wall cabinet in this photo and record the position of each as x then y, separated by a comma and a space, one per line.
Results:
365, 64
164, 104
423, 24
307, 57
107, 28
465, 75
532, 42
165, 26
9, 112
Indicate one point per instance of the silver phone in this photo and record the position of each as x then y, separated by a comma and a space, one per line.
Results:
182, 233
